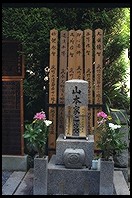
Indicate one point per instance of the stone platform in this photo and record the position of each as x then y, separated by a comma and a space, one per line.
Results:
63, 180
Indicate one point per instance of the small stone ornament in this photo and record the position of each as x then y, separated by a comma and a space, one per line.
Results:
74, 158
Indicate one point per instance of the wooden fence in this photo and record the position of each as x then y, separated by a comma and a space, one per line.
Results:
74, 55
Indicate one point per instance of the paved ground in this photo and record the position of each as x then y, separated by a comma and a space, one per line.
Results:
17, 182
21, 183
5, 176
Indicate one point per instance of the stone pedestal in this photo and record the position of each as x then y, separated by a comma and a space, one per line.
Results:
87, 145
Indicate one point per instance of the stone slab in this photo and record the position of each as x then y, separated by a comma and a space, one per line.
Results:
120, 185
12, 183
14, 162
26, 186
124, 171
87, 145
64, 181
5, 176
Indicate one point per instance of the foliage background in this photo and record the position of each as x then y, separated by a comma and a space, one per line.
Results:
32, 25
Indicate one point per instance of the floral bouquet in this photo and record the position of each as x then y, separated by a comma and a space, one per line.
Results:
37, 132
109, 138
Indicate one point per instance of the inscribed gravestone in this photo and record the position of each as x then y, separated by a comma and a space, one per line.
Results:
76, 104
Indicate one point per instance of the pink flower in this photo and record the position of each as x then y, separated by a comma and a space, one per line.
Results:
102, 114
40, 116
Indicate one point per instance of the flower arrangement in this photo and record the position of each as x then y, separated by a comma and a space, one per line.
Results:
37, 132
109, 139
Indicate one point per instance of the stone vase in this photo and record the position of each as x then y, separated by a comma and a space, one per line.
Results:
106, 177
40, 176
94, 164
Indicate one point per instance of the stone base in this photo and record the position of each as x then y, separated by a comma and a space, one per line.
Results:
124, 171
64, 181
14, 163
63, 144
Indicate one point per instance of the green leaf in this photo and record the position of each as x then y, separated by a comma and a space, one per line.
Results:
27, 135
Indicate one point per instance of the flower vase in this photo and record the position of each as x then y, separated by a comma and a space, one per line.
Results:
94, 164
40, 175
106, 177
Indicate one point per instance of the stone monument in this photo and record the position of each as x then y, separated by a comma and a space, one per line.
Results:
69, 171
76, 135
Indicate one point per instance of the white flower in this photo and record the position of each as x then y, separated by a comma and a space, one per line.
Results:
45, 78
30, 55
48, 122
114, 126
117, 126
31, 72
44, 87
47, 69
111, 125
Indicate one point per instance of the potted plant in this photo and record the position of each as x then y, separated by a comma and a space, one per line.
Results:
110, 143
36, 134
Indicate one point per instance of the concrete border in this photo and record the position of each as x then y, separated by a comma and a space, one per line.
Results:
14, 162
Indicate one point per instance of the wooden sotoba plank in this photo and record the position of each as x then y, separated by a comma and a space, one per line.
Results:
88, 62
53, 86
98, 74
71, 54
62, 78
79, 55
